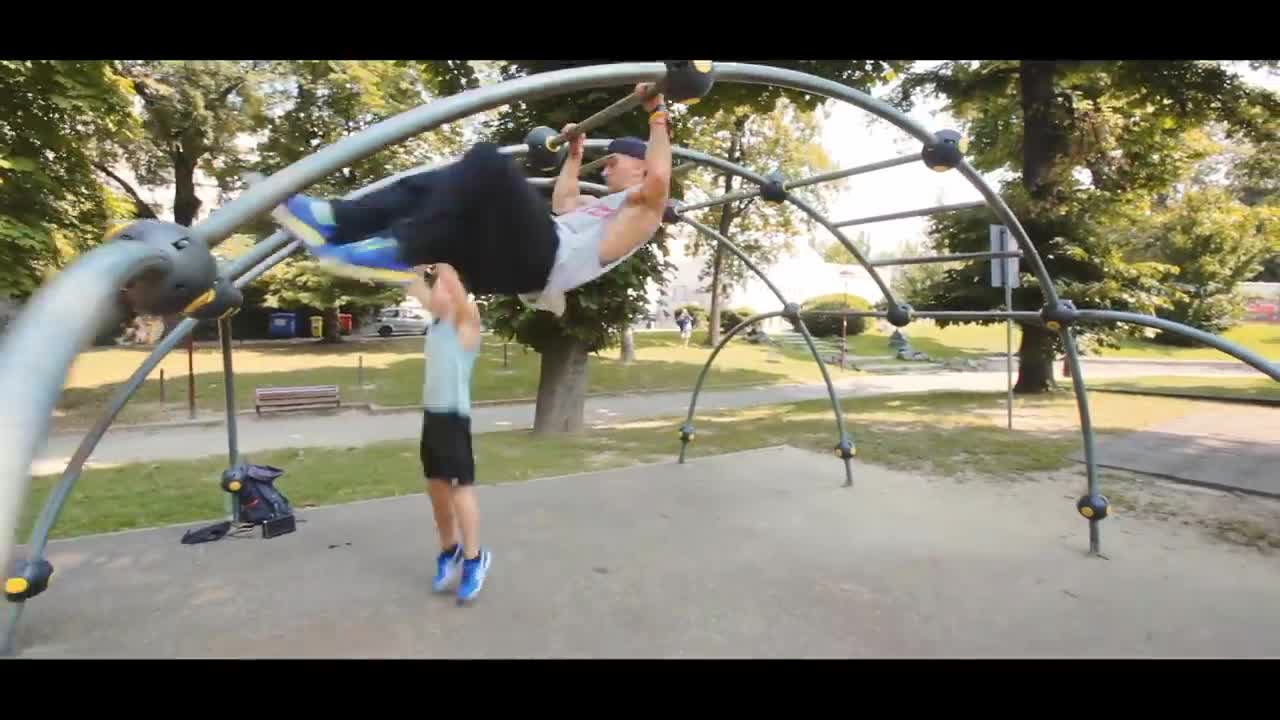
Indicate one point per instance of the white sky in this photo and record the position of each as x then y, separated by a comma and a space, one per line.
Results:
854, 137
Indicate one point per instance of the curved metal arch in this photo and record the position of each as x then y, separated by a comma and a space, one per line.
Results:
804, 330
107, 266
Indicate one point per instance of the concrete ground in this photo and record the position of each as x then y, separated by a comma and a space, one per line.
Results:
1231, 447
758, 554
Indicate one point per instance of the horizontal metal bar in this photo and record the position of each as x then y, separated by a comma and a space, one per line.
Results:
911, 213
720, 200
582, 186
958, 257
849, 172
1025, 316
620, 106
1272, 369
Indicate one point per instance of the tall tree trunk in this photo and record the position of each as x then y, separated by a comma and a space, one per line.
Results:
727, 216
186, 204
1043, 145
562, 388
628, 346
329, 331
1035, 361
1042, 142
713, 318
185, 207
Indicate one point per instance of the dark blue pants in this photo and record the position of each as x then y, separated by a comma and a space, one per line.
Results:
479, 215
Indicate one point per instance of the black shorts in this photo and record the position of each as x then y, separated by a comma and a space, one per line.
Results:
478, 214
445, 448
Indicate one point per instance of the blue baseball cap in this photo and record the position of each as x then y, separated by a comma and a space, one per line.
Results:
629, 146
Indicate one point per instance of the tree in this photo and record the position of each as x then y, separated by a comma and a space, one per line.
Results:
597, 313
1215, 243
316, 103
1090, 144
195, 115
784, 138
764, 128
835, 252
57, 115
911, 283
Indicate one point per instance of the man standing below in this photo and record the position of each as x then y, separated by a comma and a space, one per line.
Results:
448, 462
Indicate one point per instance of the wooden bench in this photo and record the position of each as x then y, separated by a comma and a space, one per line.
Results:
301, 397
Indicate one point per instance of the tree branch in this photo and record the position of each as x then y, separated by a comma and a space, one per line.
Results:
140, 207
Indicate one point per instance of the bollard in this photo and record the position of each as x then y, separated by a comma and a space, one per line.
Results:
191, 376
360, 372
504, 356
162, 387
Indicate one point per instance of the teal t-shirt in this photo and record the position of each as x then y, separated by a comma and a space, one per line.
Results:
447, 386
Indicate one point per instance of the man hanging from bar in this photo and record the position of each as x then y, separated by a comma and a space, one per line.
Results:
481, 216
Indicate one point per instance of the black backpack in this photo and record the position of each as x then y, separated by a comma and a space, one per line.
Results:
258, 501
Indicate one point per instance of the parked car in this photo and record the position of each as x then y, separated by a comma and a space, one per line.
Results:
401, 321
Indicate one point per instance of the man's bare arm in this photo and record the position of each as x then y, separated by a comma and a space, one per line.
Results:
656, 188
469, 325
565, 196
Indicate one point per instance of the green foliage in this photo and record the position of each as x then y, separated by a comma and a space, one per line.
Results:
57, 114
835, 252
831, 325
194, 115
911, 283
729, 319
760, 138
1087, 246
1100, 141
596, 313
701, 126
1122, 121
315, 103
1215, 243
300, 282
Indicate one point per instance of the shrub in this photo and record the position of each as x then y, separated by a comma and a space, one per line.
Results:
729, 319
829, 325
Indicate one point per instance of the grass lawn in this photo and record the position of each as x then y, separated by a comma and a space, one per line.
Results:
1262, 338
394, 369
945, 433
1226, 387
972, 341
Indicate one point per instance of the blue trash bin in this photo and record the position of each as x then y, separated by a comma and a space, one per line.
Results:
283, 325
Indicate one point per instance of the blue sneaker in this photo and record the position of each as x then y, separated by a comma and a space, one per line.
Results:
307, 219
448, 566
375, 258
473, 574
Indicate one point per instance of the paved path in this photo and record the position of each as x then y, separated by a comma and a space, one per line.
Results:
355, 428
1236, 447
695, 560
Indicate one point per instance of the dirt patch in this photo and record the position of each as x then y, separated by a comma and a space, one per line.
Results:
1231, 517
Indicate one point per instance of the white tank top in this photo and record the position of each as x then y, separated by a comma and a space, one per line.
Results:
577, 263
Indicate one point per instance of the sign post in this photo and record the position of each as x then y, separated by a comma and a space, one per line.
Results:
1004, 273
